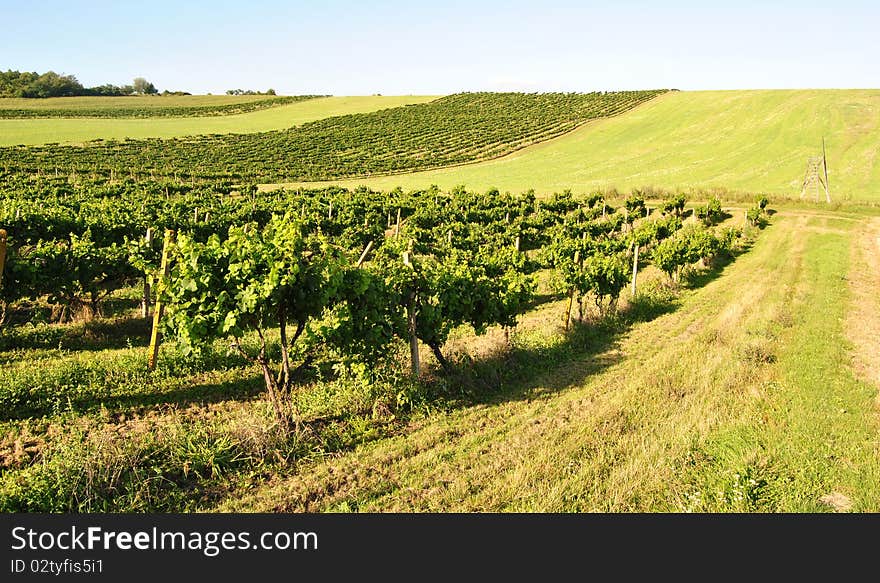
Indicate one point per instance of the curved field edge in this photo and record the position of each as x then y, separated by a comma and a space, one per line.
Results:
158, 106
746, 141
32, 132
743, 399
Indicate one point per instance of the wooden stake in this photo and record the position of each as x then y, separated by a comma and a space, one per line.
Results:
364, 254
2, 253
411, 321
635, 270
517, 243
577, 260
397, 226
160, 307
145, 301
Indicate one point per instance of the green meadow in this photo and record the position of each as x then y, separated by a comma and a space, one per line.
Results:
747, 141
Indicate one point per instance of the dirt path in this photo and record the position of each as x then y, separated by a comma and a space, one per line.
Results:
863, 320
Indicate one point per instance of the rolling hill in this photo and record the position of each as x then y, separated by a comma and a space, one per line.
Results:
752, 141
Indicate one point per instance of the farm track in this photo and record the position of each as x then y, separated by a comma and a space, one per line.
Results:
669, 416
863, 318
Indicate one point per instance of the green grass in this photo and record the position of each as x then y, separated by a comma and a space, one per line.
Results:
74, 131
753, 141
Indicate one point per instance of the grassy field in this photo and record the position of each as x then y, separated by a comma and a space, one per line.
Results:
747, 389
42, 131
752, 141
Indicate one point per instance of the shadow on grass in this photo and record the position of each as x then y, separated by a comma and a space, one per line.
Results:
695, 279
239, 389
94, 335
519, 372
585, 350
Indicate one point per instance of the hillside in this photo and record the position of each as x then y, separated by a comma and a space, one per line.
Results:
754, 141
455, 129
74, 131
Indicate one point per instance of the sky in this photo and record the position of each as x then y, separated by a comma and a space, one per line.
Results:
344, 47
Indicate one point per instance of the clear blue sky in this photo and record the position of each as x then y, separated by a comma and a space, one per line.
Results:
408, 47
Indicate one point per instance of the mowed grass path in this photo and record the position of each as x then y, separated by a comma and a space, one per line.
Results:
43, 131
751, 141
742, 399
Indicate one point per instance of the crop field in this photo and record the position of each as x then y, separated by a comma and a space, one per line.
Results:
450, 130
142, 105
621, 310
745, 141
114, 127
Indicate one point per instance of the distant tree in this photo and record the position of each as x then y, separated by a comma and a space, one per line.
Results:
14, 83
108, 90
143, 87
51, 84
249, 92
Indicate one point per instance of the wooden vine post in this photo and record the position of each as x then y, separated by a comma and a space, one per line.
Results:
411, 321
2, 254
160, 307
577, 260
145, 300
635, 269
363, 256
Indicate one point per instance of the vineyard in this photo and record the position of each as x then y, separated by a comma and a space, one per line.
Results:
456, 129
144, 108
174, 338
315, 291
79, 130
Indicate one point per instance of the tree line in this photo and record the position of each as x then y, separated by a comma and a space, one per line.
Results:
51, 84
